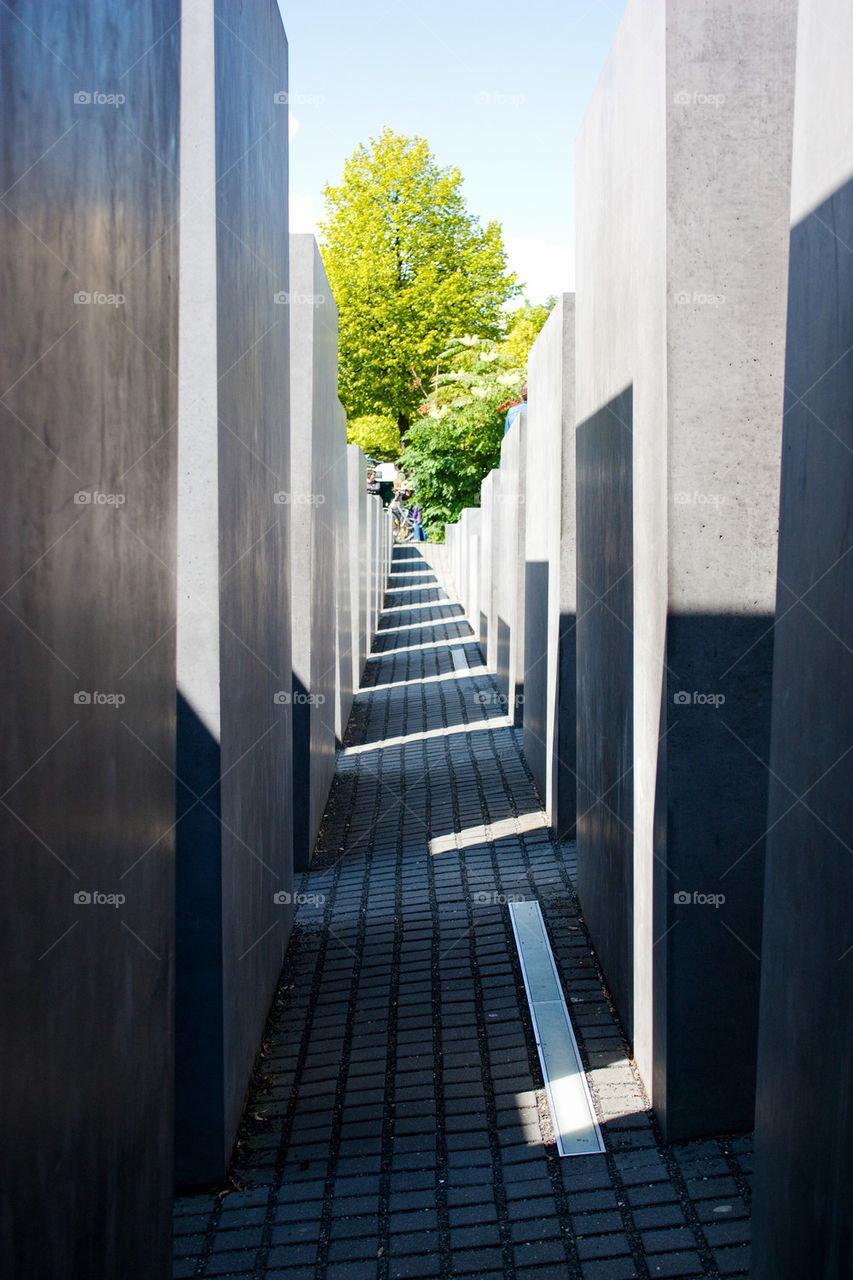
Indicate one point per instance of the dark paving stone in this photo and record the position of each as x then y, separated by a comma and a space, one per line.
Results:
415, 1005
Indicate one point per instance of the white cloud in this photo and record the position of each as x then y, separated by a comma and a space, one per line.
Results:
544, 268
292, 124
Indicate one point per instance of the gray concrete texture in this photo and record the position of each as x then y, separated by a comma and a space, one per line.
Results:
88, 392
460, 556
473, 527
804, 1108
509, 570
340, 546
489, 508
356, 520
317, 500
550, 578
233, 641
682, 177
344, 556
451, 542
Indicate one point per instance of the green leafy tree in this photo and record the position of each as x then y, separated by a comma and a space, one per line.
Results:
457, 438
524, 328
377, 436
409, 267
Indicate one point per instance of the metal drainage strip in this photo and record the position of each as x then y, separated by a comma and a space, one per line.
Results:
572, 1112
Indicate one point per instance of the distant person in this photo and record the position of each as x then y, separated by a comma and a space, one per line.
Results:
515, 409
419, 534
373, 485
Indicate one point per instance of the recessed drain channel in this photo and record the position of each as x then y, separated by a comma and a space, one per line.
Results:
572, 1113
459, 658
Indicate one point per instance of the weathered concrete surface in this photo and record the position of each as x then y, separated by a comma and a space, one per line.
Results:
339, 516
233, 756
461, 557
472, 573
317, 441
682, 180
509, 570
550, 577
375, 520
88, 392
605, 663
489, 508
357, 517
804, 1106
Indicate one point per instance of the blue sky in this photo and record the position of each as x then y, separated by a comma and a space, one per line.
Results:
497, 88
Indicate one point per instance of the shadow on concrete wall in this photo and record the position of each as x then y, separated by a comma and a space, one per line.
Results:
199, 1046
605, 671
804, 1114
231, 935
704, 875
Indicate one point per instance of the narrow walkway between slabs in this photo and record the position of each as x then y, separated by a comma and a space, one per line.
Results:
398, 1126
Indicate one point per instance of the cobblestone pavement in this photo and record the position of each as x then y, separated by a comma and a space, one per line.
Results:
398, 1126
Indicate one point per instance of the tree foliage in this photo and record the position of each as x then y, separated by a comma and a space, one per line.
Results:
410, 268
376, 435
457, 438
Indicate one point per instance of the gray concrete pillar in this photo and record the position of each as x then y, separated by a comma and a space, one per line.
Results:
509, 570
233, 639
486, 578
339, 514
357, 506
682, 178
550, 570
474, 552
804, 1119
317, 447
88, 402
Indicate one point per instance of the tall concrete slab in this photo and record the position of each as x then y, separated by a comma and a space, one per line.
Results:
489, 508
472, 572
375, 518
550, 569
804, 1105
451, 541
317, 447
682, 177
357, 514
605, 632
509, 570
88, 401
461, 557
340, 516
233, 641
